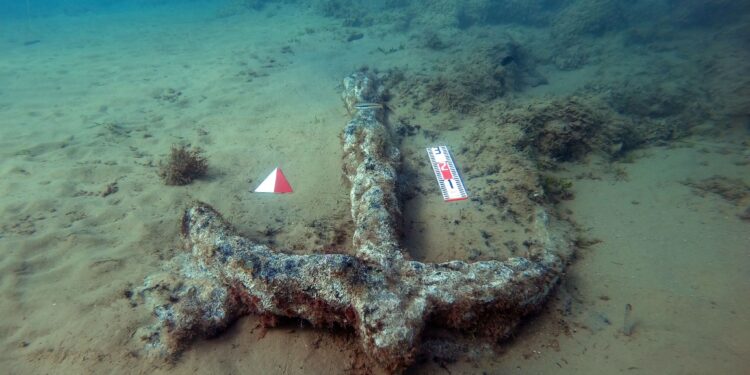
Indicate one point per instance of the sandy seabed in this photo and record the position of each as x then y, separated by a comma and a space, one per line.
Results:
98, 101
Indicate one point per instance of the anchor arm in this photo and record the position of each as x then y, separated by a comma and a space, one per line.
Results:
463, 295
223, 276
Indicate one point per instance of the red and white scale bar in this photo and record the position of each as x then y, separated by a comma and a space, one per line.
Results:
447, 176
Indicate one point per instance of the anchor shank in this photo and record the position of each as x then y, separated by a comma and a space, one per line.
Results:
370, 162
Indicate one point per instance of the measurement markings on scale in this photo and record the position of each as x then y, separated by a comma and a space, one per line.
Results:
446, 173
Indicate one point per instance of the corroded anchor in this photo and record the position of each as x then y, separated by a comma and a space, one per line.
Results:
385, 297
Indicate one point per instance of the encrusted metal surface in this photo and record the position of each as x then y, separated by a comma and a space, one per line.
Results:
385, 297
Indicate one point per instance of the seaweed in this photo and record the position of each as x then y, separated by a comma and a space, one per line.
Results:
733, 190
556, 188
235, 7
351, 16
433, 41
571, 128
183, 165
489, 73
562, 130
745, 215
587, 18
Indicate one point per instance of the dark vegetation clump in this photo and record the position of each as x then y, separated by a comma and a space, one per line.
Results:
351, 15
524, 12
563, 130
183, 165
556, 189
707, 13
587, 18
433, 41
655, 100
488, 73
733, 190
235, 7
569, 129
745, 215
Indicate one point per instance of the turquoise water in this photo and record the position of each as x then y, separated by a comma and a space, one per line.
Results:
629, 123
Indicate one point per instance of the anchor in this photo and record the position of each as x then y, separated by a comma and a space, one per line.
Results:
385, 297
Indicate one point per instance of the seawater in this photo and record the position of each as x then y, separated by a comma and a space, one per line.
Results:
633, 118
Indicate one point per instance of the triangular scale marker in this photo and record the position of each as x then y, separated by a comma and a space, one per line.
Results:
276, 182
282, 185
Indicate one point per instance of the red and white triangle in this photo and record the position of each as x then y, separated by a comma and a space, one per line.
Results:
275, 183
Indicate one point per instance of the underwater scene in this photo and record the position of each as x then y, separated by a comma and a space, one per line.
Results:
374, 187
